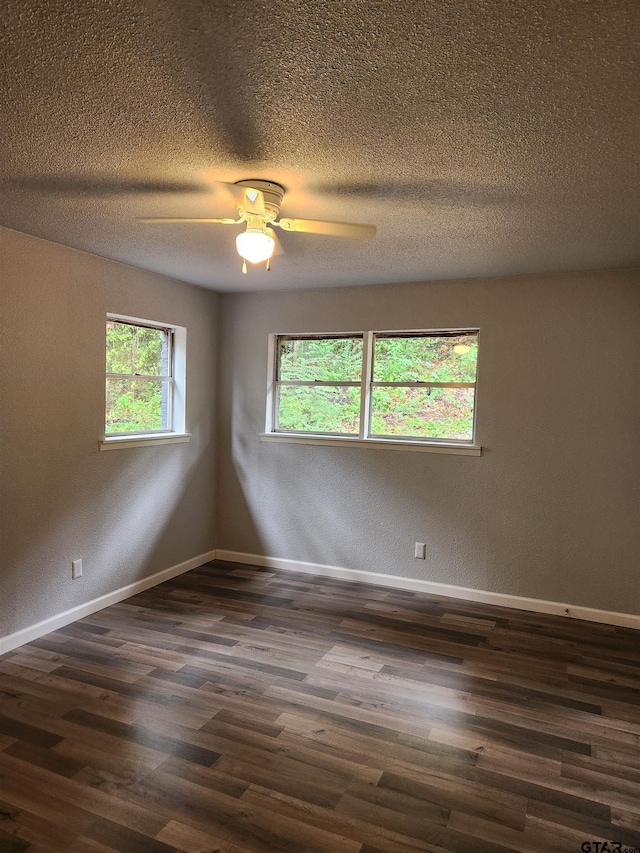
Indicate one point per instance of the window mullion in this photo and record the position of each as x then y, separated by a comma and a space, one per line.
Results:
169, 334
170, 405
276, 409
365, 393
319, 383
423, 384
143, 377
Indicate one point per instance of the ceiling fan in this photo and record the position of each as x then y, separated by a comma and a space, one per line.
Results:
258, 204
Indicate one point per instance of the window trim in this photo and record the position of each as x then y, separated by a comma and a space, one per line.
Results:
176, 379
364, 437
371, 443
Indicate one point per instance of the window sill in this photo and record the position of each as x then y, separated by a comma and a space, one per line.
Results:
118, 442
375, 443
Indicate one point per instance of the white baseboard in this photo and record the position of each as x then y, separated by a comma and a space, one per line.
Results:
537, 605
26, 635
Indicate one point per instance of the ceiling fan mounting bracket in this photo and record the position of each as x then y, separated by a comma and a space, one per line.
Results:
272, 194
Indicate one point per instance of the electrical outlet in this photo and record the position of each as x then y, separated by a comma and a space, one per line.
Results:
76, 569
420, 552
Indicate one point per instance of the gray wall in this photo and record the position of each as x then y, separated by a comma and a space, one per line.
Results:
128, 513
551, 508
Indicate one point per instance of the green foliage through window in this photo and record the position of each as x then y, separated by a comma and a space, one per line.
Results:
423, 413
333, 409
419, 411
321, 359
429, 358
137, 401
320, 407
423, 385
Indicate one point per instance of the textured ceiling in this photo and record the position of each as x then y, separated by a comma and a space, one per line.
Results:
481, 138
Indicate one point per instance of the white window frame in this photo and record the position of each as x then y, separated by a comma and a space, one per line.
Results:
175, 381
364, 438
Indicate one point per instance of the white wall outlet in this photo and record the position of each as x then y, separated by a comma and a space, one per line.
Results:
420, 552
76, 569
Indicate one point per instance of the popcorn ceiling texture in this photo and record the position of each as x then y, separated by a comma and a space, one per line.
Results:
488, 138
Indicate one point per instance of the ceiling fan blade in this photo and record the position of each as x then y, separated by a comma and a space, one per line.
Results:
186, 219
246, 197
334, 229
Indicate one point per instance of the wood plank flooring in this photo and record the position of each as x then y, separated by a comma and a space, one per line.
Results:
242, 710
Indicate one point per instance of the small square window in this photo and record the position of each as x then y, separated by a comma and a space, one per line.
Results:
139, 378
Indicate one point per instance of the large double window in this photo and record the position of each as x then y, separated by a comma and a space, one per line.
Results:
402, 386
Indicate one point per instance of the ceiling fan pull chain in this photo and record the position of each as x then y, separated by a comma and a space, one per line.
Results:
268, 264
244, 266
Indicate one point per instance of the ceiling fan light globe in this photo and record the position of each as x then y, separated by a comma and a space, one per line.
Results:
255, 246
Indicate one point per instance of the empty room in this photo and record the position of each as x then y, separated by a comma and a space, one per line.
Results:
320, 505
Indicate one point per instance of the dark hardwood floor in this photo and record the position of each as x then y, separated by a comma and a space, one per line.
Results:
237, 709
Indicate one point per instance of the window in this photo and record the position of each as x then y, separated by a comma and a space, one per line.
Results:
318, 387
376, 386
424, 385
145, 372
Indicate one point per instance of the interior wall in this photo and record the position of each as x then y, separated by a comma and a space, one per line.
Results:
550, 510
128, 513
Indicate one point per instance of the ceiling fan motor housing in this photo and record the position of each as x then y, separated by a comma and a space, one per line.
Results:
272, 193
